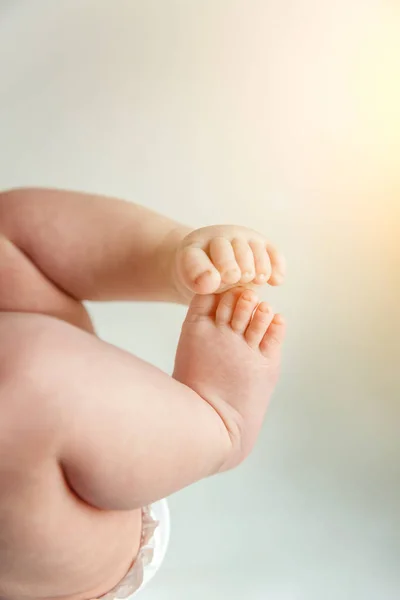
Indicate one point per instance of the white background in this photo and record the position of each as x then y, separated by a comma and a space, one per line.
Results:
282, 116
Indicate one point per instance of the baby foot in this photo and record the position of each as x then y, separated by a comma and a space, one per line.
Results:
213, 259
229, 353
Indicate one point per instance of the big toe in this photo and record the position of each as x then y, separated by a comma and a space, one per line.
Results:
202, 307
198, 272
227, 305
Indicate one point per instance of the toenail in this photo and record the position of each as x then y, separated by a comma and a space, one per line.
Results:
279, 320
248, 275
264, 308
248, 296
201, 277
231, 273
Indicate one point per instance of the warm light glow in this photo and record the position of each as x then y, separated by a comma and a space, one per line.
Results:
377, 93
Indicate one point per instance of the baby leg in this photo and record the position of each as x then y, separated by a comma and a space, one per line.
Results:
85, 426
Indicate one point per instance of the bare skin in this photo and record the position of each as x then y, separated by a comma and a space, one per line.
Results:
88, 433
243, 338
71, 247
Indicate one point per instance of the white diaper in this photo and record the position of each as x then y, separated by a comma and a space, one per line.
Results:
153, 547
160, 513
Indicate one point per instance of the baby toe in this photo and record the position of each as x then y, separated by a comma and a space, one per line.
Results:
259, 325
244, 309
244, 258
223, 258
226, 306
263, 268
273, 339
278, 266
